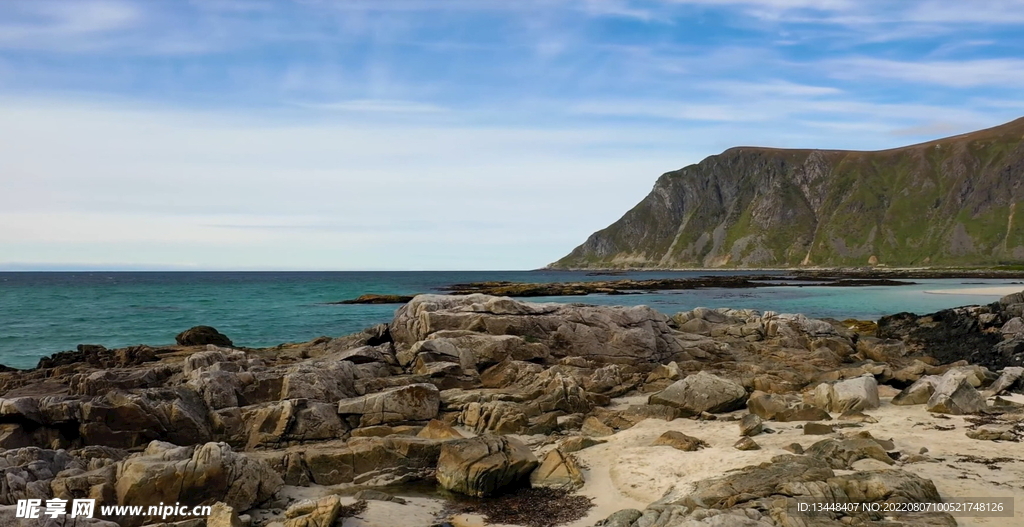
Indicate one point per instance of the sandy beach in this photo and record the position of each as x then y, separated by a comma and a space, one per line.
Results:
1000, 290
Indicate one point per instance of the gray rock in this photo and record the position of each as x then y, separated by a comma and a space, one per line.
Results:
416, 402
702, 392
1009, 379
993, 432
860, 393
623, 518
746, 443
751, 425
919, 392
955, 395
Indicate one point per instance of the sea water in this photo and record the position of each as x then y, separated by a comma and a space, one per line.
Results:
43, 313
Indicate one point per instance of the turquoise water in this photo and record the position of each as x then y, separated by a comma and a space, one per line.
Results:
42, 313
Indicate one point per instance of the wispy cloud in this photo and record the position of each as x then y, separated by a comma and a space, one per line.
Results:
47, 24
960, 74
375, 106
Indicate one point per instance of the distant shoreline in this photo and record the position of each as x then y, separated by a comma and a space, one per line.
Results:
994, 291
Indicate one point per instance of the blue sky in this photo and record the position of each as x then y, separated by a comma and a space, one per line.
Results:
441, 134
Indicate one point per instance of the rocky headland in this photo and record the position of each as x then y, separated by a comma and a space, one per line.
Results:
483, 410
949, 202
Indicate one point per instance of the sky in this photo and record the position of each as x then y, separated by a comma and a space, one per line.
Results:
441, 134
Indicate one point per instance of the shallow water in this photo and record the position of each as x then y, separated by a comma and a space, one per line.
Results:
42, 313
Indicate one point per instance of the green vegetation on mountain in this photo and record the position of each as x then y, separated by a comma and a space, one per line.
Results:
950, 202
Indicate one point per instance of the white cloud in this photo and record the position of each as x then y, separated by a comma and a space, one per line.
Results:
46, 24
960, 74
375, 106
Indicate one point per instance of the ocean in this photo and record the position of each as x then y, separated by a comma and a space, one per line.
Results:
46, 312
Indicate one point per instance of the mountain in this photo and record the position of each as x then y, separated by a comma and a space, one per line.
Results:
949, 202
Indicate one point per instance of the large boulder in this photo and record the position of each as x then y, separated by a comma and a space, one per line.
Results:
370, 461
482, 466
955, 395
199, 475
607, 334
850, 395
416, 402
702, 392
201, 336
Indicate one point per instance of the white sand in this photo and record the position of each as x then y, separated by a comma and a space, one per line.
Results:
1001, 290
626, 472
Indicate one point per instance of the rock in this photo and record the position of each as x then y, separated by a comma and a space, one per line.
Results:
482, 466
817, 429
857, 417
27, 473
881, 350
919, 392
849, 395
842, 452
795, 448
680, 441
762, 480
702, 392
416, 402
803, 412
593, 426
993, 432
784, 408
376, 495
371, 461
746, 443
604, 334
577, 443
955, 395
201, 336
668, 371
223, 515
313, 513
651, 411
439, 430
495, 417
195, 475
1014, 326
751, 425
886, 485
559, 470
623, 518
1009, 379
362, 355
696, 326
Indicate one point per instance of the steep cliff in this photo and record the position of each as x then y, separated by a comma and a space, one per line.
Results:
946, 202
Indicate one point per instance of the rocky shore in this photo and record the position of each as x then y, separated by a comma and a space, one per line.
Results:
630, 286
483, 410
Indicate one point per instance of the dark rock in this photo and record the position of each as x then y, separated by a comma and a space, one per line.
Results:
817, 429
201, 336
